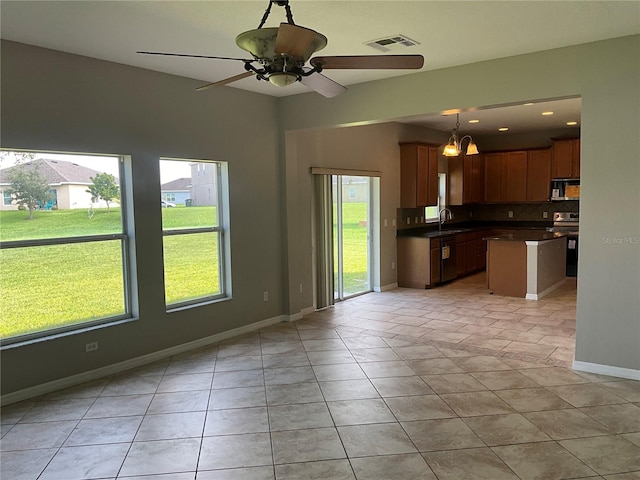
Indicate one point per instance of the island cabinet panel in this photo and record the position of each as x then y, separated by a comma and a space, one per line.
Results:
566, 158
418, 175
538, 175
494, 167
466, 179
514, 177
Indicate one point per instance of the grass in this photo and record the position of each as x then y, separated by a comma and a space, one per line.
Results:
354, 241
52, 286
46, 287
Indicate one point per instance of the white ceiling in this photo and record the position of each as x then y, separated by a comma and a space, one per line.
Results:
449, 32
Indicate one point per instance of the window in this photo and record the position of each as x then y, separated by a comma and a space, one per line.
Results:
62, 268
7, 198
194, 234
431, 213
169, 197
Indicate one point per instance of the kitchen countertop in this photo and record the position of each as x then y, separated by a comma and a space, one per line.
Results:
454, 229
528, 235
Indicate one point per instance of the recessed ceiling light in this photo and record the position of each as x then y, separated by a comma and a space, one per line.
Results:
547, 113
572, 123
528, 104
503, 129
474, 121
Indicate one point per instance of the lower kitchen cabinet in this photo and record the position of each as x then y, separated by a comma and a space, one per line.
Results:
419, 258
418, 262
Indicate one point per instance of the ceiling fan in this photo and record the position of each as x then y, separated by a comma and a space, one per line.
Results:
282, 52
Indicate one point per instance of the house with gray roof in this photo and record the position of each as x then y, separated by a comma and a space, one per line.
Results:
177, 191
68, 181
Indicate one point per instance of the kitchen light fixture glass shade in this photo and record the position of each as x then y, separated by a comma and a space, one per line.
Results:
472, 148
451, 150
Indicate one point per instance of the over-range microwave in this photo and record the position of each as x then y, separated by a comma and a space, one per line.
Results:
565, 189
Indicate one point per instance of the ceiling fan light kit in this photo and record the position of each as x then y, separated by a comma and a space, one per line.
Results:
283, 51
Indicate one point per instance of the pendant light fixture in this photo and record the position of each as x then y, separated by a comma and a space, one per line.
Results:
454, 146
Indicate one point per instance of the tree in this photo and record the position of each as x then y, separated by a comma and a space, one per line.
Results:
29, 187
104, 187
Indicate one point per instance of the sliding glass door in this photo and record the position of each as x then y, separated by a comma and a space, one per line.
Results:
351, 235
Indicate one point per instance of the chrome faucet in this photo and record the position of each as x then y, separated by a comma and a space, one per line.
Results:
440, 220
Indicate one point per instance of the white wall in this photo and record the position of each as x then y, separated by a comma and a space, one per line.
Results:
607, 77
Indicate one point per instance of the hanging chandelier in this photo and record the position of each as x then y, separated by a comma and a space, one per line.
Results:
454, 146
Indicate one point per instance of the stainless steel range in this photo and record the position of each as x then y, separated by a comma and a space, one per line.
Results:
568, 224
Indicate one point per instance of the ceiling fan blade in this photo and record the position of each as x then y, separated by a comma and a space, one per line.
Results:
294, 40
374, 62
323, 85
196, 56
225, 81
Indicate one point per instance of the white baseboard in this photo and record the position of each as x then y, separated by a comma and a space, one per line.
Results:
80, 378
609, 370
385, 288
538, 296
301, 314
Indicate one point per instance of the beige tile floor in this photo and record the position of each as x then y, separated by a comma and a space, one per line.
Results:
449, 383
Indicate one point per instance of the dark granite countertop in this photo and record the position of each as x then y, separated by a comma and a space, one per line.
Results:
465, 227
527, 235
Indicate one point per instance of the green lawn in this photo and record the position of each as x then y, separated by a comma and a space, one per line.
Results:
355, 278
51, 286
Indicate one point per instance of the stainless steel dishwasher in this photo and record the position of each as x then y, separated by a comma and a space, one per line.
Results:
448, 258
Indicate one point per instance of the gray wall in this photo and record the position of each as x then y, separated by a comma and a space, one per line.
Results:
607, 77
56, 101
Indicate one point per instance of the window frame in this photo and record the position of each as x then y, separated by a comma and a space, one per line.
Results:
221, 229
123, 237
442, 199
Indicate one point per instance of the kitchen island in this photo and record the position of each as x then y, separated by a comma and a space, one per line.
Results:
526, 264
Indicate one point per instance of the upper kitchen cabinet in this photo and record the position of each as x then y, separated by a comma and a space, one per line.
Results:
418, 175
538, 175
514, 177
566, 158
466, 179
494, 168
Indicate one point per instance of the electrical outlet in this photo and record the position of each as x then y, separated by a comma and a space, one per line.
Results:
545, 214
265, 295
393, 222
510, 213
408, 220
415, 220
393, 265
91, 347
300, 288
386, 222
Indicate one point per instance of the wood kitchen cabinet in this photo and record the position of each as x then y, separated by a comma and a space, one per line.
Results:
466, 179
418, 262
494, 167
418, 175
566, 158
514, 177
538, 175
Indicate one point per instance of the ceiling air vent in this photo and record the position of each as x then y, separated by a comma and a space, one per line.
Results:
394, 43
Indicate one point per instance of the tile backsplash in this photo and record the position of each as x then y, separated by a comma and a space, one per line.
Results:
529, 212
